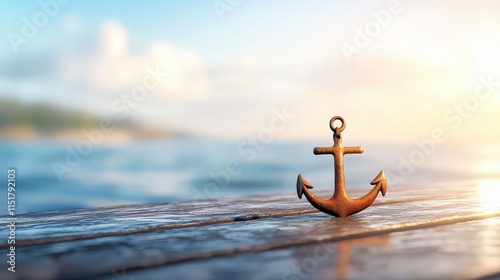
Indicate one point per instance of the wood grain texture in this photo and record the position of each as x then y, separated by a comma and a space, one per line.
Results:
425, 232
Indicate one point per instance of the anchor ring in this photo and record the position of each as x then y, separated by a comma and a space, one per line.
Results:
337, 129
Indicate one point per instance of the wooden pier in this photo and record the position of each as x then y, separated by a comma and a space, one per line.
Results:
425, 232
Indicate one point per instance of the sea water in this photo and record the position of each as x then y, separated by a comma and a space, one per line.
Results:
155, 171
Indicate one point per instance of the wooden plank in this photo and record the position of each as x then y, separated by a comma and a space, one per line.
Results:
458, 251
58, 226
192, 235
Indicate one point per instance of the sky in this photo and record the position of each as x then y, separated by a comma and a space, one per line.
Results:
395, 70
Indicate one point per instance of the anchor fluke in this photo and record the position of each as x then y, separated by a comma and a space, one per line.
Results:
380, 179
301, 184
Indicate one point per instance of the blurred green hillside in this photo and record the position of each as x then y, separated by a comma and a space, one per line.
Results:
45, 117
23, 120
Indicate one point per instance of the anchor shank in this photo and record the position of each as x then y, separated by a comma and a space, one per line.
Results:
338, 162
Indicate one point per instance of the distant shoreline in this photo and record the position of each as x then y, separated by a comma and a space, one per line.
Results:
118, 135
20, 121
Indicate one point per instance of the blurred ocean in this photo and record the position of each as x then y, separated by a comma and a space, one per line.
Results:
183, 169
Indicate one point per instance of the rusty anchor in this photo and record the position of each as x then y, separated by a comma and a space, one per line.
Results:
340, 205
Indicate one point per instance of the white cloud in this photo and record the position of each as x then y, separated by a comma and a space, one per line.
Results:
114, 40
112, 68
187, 75
72, 23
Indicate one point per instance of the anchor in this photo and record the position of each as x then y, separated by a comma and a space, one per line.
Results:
340, 205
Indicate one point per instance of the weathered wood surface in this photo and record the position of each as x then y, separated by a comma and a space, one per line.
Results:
412, 233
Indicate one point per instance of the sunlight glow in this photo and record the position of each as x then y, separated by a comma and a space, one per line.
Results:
486, 55
489, 192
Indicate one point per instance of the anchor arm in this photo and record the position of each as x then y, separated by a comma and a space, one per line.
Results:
324, 205
363, 202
